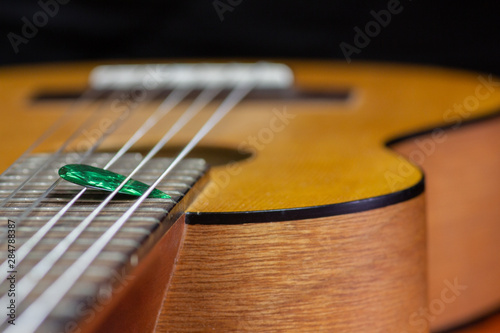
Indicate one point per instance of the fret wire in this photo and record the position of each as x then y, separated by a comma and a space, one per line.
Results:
26, 284
45, 303
60, 150
25, 249
81, 159
22, 251
119, 121
33, 277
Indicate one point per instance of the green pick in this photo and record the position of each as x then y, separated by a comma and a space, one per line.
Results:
93, 177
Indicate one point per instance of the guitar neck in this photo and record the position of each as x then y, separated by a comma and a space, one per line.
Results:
32, 209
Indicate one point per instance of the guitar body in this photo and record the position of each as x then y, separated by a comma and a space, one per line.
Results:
315, 215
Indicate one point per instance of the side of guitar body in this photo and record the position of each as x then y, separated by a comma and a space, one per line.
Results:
361, 272
463, 217
276, 247
287, 277
284, 277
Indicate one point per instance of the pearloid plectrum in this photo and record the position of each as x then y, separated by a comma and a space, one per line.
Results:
93, 177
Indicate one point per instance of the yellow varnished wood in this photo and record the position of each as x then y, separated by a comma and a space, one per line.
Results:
462, 211
329, 153
362, 272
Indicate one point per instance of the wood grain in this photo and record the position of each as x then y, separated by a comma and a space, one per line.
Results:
348, 151
363, 272
139, 296
360, 272
463, 187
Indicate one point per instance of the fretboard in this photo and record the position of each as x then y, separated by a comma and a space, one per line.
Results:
126, 249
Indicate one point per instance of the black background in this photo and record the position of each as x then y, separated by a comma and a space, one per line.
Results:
443, 33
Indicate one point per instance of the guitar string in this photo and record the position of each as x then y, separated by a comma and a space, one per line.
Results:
38, 310
170, 102
58, 152
23, 251
113, 97
75, 106
178, 94
82, 158
174, 98
125, 148
34, 276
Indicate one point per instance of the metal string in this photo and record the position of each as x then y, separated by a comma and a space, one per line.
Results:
45, 303
75, 106
169, 103
58, 152
174, 98
33, 277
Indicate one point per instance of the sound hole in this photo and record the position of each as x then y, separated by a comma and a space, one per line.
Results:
212, 155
